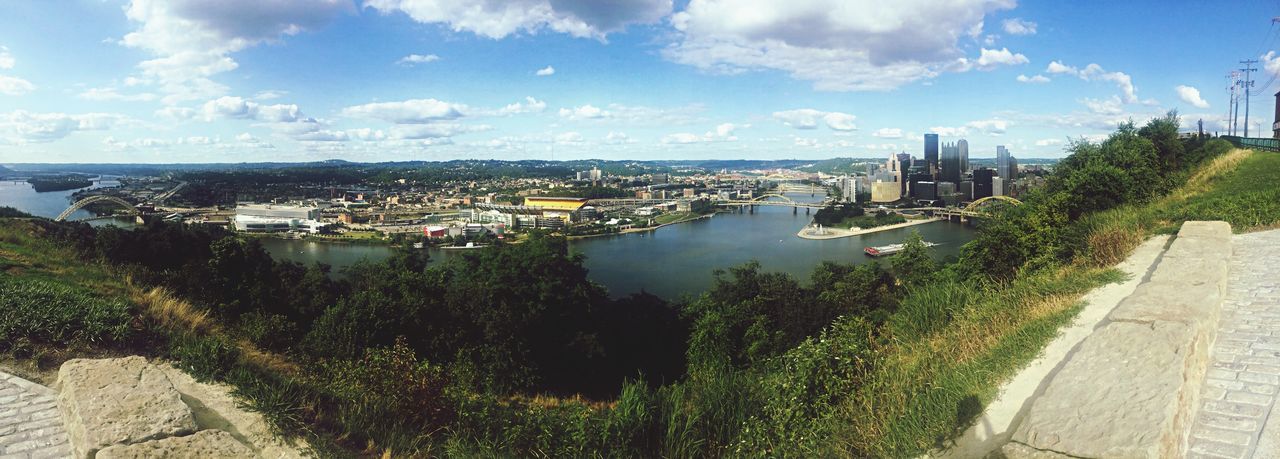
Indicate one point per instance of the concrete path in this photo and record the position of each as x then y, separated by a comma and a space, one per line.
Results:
30, 426
1237, 419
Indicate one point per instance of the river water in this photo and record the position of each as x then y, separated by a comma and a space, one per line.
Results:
20, 195
670, 262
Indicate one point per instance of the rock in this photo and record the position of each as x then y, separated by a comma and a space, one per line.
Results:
1121, 395
206, 444
215, 408
106, 402
1015, 450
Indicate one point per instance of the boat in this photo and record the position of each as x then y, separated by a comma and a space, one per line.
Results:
890, 249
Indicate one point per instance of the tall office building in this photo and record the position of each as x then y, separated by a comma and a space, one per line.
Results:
1002, 160
848, 188
982, 178
997, 186
951, 170
931, 151
963, 145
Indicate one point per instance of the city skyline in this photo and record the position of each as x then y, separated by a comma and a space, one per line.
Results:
383, 80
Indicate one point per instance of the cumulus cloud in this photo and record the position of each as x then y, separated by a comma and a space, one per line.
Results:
530, 105
992, 58
14, 86
888, 133
839, 45
546, 71
1191, 96
1018, 26
29, 127
413, 111
434, 131
241, 108
569, 138
192, 39
992, 127
723, 132
617, 138
176, 113
1048, 142
584, 112
808, 118
1037, 79
414, 59
1095, 72
500, 18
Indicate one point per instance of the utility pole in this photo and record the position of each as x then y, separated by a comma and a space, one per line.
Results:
1233, 82
1248, 83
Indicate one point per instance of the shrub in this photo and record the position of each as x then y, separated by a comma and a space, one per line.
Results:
41, 312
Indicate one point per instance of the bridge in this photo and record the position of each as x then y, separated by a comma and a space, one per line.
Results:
130, 209
973, 210
772, 199
811, 189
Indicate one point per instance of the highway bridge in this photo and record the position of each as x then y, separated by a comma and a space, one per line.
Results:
130, 210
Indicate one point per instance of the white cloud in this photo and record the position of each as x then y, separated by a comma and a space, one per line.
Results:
840, 121
1095, 72
434, 130
15, 86
6, 60
112, 94
992, 58
839, 45
992, 127
28, 127
1037, 79
530, 105
192, 39
413, 59
176, 113
1018, 26
413, 111
546, 71
681, 138
584, 112
1110, 106
888, 133
1058, 67
1191, 96
568, 138
269, 94
806, 142
1048, 142
617, 138
500, 18
807, 118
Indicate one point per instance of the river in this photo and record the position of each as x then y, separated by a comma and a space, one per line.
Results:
680, 259
20, 195
670, 262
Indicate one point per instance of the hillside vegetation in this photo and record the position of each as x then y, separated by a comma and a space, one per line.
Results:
512, 352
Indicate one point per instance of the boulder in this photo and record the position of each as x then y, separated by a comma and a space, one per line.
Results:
107, 402
207, 444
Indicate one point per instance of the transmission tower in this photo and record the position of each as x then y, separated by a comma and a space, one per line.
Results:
1248, 83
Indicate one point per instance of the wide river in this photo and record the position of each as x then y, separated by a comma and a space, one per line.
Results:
670, 262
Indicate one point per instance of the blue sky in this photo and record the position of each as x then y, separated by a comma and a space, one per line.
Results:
378, 80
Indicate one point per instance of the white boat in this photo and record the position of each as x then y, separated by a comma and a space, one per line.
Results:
889, 249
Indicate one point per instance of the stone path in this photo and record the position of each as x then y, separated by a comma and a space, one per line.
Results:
30, 425
1244, 376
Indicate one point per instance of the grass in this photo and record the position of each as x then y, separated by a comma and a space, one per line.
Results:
946, 350
1238, 187
950, 345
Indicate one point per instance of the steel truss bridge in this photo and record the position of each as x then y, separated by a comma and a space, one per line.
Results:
772, 200
129, 208
973, 210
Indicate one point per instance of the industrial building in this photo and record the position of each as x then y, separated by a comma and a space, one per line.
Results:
268, 218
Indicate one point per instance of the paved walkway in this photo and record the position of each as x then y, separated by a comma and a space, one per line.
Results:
1244, 376
30, 426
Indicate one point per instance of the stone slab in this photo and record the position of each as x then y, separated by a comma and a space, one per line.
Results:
1122, 395
205, 444
106, 402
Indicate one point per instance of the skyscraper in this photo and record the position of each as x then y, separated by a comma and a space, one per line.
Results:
1002, 160
964, 155
982, 182
931, 151
951, 163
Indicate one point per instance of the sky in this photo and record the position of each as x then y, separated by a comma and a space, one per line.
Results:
149, 81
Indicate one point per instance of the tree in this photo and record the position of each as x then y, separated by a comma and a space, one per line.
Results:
913, 265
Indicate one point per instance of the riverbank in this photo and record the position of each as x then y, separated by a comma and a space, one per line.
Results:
640, 230
836, 233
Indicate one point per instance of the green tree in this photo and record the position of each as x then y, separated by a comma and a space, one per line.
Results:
913, 265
